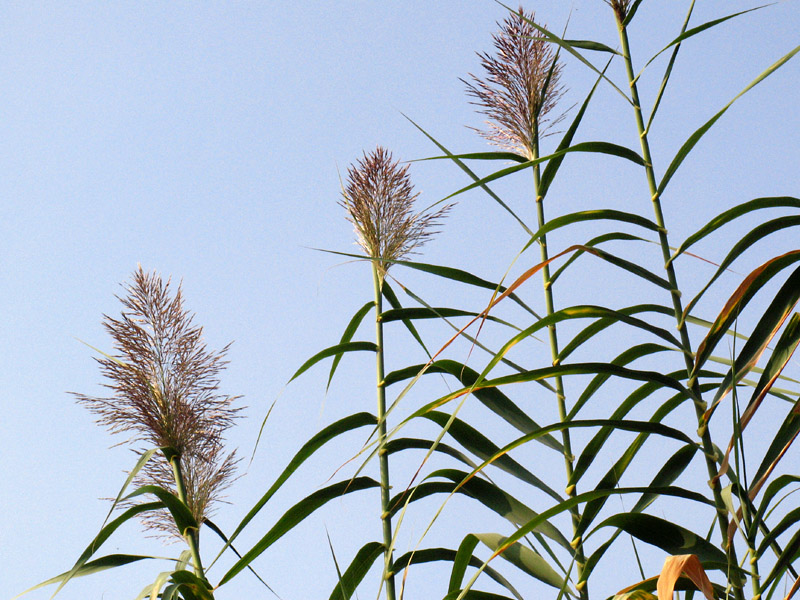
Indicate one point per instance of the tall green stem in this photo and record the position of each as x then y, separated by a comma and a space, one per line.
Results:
383, 459
580, 558
699, 404
192, 536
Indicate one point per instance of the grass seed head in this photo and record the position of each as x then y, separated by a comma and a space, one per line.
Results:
163, 390
521, 87
379, 199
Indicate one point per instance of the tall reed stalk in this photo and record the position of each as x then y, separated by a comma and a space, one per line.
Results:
520, 91
379, 197
620, 8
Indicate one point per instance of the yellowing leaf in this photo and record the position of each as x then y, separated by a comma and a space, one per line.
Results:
684, 564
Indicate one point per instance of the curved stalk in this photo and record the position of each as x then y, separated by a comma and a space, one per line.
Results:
193, 536
699, 405
569, 459
383, 459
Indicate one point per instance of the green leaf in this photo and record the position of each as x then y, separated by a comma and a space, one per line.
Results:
473, 176
786, 558
592, 215
399, 444
181, 514
523, 558
446, 554
208, 523
111, 561
699, 29
103, 535
695, 137
765, 330
627, 357
789, 520
295, 515
347, 336
757, 234
491, 398
553, 165
590, 45
355, 573
188, 581
580, 499
786, 435
448, 273
733, 214
611, 317
499, 501
389, 294
631, 12
550, 37
479, 156
341, 426
752, 284
336, 350
461, 562
665, 477
667, 71
773, 489
600, 239
598, 147
402, 314
475, 442
671, 538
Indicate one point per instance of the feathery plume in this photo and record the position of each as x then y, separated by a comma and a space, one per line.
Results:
379, 199
164, 391
521, 87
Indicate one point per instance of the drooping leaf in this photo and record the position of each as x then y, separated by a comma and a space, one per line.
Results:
389, 294
684, 564
482, 447
335, 351
111, 561
671, 538
550, 170
492, 398
523, 558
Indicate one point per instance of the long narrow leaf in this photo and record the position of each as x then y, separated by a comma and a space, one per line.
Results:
335, 351
347, 336
695, 137
295, 515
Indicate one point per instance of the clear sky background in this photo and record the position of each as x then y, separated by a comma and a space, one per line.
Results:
205, 141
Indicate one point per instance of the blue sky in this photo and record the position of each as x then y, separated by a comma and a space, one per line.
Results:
205, 141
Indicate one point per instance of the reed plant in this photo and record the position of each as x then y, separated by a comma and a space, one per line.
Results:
657, 413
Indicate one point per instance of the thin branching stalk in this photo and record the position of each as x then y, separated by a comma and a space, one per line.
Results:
700, 405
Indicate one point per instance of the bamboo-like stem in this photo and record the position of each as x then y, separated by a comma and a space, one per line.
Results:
699, 405
192, 536
571, 491
382, 458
